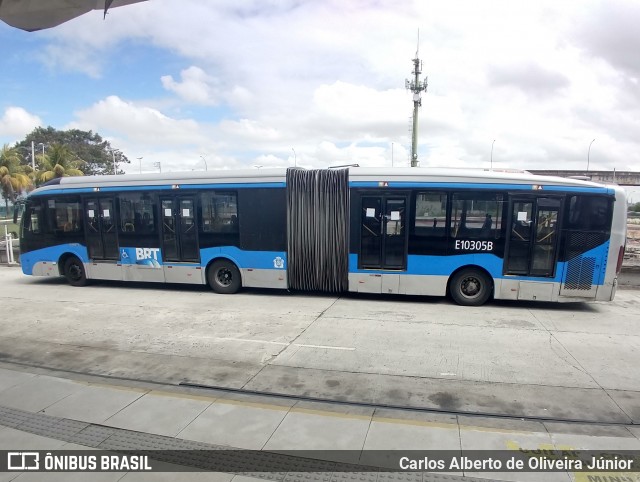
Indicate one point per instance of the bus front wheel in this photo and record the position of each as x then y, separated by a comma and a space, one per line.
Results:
74, 272
224, 277
470, 287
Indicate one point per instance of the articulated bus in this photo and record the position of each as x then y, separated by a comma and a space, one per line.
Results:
471, 234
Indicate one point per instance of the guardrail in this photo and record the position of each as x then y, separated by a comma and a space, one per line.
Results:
9, 248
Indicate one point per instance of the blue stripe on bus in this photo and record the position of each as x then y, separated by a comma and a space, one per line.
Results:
246, 259
260, 185
243, 259
62, 191
51, 255
416, 264
160, 187
446, 265
500, 187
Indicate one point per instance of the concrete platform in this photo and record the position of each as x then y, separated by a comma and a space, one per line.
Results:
170, 420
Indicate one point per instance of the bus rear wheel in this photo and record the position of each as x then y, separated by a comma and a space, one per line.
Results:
74, 272
224, 277
470, 287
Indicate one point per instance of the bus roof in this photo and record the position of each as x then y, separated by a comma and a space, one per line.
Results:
278, 175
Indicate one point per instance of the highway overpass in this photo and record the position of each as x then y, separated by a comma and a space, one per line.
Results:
623, 178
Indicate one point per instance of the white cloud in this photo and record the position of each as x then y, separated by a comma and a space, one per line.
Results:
196, 87
370, 112
16, 122
138, 123
327, 78
84, 44
328, 154
81, 59
249, 130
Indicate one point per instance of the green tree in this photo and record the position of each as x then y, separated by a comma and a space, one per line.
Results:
59, 162
13, 179
86, 145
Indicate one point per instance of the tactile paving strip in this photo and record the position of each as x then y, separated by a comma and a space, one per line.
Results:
265, 465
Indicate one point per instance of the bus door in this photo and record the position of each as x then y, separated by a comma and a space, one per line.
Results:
102, 236
179, 229
383, 233
533, 238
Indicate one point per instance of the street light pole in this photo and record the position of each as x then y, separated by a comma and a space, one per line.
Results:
589, 154
295, 158
41, 144
494, 141
206, 168
140, 161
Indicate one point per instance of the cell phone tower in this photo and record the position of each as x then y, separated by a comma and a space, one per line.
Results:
416, 86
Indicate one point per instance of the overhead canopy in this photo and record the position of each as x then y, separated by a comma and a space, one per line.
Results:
31, 15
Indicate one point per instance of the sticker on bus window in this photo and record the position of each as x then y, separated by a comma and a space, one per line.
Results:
395, 215
522, 216
186, 213
91, 213
167, 212
52, 204
105, 213
371, 212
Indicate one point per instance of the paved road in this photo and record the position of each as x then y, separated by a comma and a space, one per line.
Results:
569, 361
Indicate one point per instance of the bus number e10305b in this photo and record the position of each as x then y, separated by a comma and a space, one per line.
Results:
468, 245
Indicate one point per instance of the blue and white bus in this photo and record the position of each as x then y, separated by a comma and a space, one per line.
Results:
472, 234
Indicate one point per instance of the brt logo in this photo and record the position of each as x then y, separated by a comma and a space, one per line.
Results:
144, 257
147, 253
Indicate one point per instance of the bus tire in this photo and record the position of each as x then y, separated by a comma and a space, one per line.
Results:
224, 277
74, 272
470, 287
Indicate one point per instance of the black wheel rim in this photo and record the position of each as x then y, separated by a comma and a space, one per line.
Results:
75, 272
224, 277
470, 287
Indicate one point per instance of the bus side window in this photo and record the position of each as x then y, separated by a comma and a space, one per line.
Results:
219, 212
137, 213
65, 215
33, 218
589, 213
430, 214
476, 215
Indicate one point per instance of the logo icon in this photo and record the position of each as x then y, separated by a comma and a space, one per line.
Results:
278, 262
23, 461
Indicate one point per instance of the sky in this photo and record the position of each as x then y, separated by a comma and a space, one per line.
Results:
198, 84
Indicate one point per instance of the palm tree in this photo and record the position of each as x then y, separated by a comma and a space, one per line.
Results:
13, 180
59, 162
